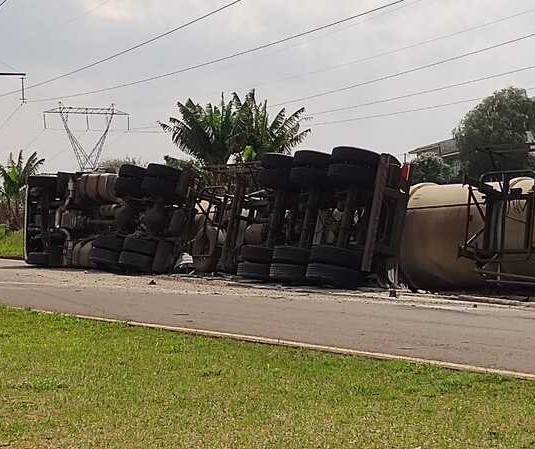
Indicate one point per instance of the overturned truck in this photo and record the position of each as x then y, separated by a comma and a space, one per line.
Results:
328, 219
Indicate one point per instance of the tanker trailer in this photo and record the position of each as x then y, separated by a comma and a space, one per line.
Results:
453, 234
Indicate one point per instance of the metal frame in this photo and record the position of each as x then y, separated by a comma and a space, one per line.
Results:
88, 161
494, 211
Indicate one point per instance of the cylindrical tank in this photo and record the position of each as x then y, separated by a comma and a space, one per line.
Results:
435, 227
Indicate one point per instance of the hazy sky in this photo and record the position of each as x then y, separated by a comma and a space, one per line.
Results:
48, 38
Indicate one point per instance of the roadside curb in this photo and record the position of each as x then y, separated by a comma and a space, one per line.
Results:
302, 345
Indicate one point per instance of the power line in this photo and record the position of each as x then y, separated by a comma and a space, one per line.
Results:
129, 49
226, 58
406, 111
9, 66
423, 92
10, 116
66, 22
2, 3
406, 72
398, 50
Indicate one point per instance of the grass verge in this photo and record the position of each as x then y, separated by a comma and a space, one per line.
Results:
11, 244
69, 383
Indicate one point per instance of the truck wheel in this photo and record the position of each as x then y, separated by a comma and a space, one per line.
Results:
306, 177
109, 242
357, 156
159, 187
339, 277
125, 187
310, 158
140, 246
252, 270
135, 261
131, 171
276, 160
104, 258
274, 178
163, 171
288, 274
291, 255
256, 254
331, 255
38, 259
346, 175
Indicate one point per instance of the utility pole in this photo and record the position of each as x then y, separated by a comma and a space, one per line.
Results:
22, 77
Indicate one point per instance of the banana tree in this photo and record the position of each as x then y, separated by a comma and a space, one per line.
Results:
14, 176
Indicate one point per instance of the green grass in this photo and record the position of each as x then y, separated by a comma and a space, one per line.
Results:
11, 244
67, 383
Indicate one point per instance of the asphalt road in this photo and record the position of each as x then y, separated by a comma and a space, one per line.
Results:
488, 336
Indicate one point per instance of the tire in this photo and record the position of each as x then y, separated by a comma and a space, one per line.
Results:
340, 277
131, 171
276, 160
38, 259
340, 257
346, 175
256, 254
163, 258
290, 255
311, 159
252, 270
274, 178
289, 274
357, 156
108, 242
104, 257
162, 187
306, 177
163, 171
128, 187
135, 261
145, 247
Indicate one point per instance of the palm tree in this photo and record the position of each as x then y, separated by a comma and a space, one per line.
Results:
279, 136
14, 176
206, 133
214, 133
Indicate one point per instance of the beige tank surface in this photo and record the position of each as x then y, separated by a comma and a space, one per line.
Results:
435, 227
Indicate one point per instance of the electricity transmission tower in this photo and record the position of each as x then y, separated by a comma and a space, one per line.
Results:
88, 161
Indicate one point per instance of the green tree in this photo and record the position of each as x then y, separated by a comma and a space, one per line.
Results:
503, 118
259, 136
14, 176
212, 134
209, 134
429, 167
